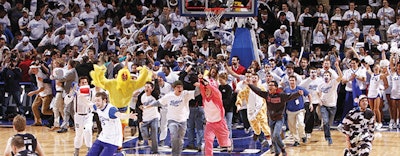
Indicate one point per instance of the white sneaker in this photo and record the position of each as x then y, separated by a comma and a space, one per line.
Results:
379, 127
391, 124
308, 135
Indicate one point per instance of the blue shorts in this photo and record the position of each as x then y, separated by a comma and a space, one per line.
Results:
100, 148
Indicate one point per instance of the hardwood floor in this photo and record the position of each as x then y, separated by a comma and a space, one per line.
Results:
385, 143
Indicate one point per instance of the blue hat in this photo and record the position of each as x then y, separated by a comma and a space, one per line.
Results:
201, 61
162, 75
157, 63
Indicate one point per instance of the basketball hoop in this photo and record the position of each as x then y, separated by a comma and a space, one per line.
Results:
213, 16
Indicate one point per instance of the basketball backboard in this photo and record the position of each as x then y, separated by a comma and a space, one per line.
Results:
233, 8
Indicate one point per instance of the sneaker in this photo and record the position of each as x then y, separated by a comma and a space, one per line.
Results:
308, 135
284, 152
62, 130
264, 143
255, 137
140, 142
296, 144
304, 139
329, 141
272, 149
379, 127
391, 124
37, 124
162, 142
191, 147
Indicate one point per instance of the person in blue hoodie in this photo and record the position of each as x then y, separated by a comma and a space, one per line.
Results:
295, 111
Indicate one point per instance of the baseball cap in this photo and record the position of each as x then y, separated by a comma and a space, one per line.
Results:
34, 66
180, 59
26, 10
362, 97
25, 39
283, 27
162, 75
157, 63
81, 23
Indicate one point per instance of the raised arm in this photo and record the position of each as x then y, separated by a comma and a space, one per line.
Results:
144, 75
98, 76
339, 71
258, 91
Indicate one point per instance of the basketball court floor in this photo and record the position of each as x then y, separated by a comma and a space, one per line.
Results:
53, 143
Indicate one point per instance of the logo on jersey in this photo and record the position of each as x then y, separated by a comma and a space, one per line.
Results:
175, 102
326, 90
312, 87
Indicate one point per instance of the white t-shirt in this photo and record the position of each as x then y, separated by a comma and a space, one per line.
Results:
394, 29
301, 20
37, 28
312, 87
319, 37
178, 106
359, 72
47, 87
386, 20
127, 22
351, 38
149, 113
328, 92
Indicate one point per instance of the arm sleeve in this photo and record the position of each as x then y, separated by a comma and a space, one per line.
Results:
111, 113
258, 91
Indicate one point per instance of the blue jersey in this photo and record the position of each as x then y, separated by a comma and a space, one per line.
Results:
296, 104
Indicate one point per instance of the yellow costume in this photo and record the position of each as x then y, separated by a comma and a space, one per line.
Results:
120, 91
256, 110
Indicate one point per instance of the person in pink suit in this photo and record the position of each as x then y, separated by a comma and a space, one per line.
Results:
214, 113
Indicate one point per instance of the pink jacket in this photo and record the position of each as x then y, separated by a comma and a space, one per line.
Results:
216, 97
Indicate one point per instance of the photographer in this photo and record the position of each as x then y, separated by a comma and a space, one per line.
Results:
195, 123
12, 76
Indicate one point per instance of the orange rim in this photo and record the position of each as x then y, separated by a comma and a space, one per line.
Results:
216, 11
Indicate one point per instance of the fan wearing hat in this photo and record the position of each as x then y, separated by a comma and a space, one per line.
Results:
282, 35
181, 64
155, 31
81, 30
127, 40
25, 46
80, 42
37, 27
23, 21
358, 127
44, 94
110, 45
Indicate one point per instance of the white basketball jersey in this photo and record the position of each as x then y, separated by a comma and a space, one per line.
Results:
112, 130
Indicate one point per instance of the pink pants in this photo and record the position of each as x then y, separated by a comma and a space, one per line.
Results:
219, 130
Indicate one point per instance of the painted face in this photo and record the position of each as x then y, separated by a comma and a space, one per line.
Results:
313, 73
327, 77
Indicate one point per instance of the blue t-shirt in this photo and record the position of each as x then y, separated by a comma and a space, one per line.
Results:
297, 104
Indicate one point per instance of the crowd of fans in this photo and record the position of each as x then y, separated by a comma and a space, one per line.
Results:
38, 37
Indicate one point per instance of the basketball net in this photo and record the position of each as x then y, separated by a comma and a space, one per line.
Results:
213, 17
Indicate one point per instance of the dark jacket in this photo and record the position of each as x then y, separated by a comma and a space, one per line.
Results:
11, 77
